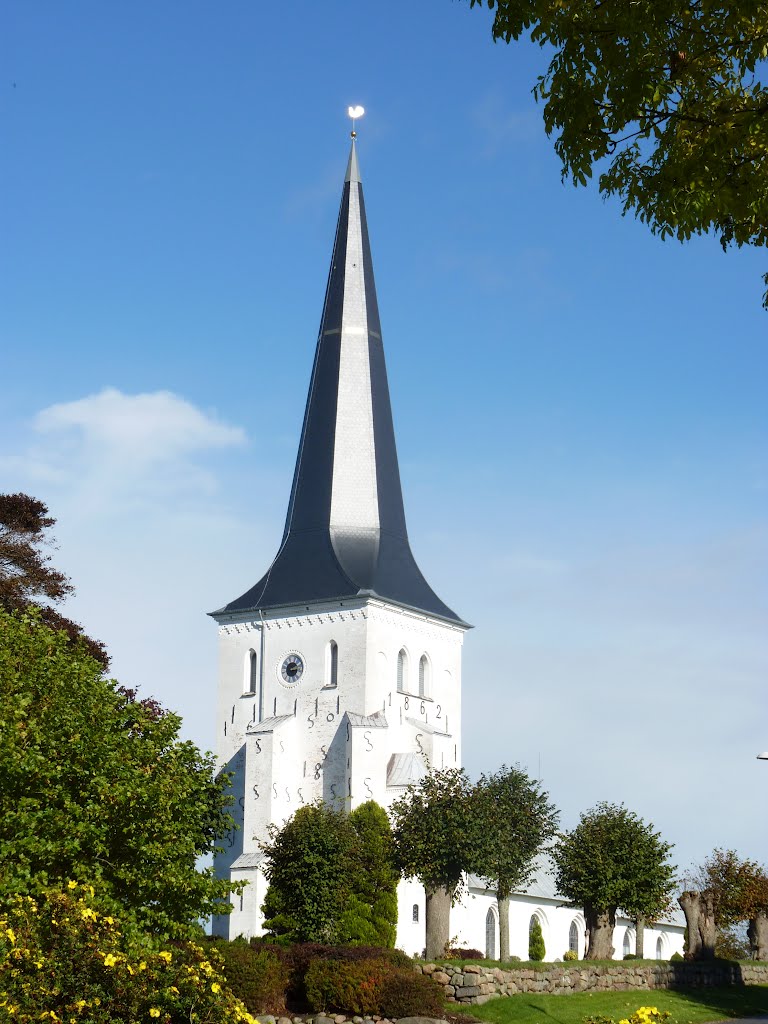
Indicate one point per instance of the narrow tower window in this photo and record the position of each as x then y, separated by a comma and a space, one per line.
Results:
423, 676
251, 673
332, 664
415, 911
402, 666
573, 937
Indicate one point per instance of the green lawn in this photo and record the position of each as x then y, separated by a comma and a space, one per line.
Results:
689, 1006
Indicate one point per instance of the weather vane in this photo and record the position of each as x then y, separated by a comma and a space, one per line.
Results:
354, 113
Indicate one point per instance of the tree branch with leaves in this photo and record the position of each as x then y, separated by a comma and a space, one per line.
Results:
663, 96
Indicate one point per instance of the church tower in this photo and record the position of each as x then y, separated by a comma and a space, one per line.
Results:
340, 669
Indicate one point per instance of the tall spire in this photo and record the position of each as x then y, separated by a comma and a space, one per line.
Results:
345, 532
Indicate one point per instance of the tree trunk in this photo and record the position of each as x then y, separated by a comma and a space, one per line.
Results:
503, 902
700, 917
600, 924
438, 919
640, 936
757, 933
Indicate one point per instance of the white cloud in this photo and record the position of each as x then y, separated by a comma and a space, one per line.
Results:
148, 428
114, 445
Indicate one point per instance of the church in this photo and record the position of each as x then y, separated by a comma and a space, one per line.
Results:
340, 669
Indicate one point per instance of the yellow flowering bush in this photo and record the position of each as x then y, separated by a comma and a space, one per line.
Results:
643, 1015
63, 961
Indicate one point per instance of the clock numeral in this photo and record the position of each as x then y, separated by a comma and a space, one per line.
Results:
423, 708
439, 712
406, 703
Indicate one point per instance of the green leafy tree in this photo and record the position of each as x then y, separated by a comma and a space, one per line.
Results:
98, 788
307, 867
536, 948
613, 859
664, 96
370, 914
332, 877
515, 820
26, 574
437, 840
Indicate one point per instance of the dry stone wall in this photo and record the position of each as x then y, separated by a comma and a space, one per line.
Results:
473, 984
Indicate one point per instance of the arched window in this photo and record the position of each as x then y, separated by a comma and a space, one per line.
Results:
659, 948
402, 671
251, 673
423, 676
627, 945
573, 937
332, 664
416, 912
490, 934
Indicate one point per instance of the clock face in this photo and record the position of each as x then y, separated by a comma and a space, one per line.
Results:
292, 668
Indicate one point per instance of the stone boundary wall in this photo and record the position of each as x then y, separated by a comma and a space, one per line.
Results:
471, 984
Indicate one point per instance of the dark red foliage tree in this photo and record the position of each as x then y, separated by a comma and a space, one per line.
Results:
26, 574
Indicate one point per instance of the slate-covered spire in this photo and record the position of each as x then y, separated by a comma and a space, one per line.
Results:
345, 532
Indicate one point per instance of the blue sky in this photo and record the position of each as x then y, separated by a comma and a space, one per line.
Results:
579, 407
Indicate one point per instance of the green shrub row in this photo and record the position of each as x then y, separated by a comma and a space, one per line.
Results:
259, 977
371, 987
362, 980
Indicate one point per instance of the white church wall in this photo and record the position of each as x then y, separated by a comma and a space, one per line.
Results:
411, 932
469, 920
331, 734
